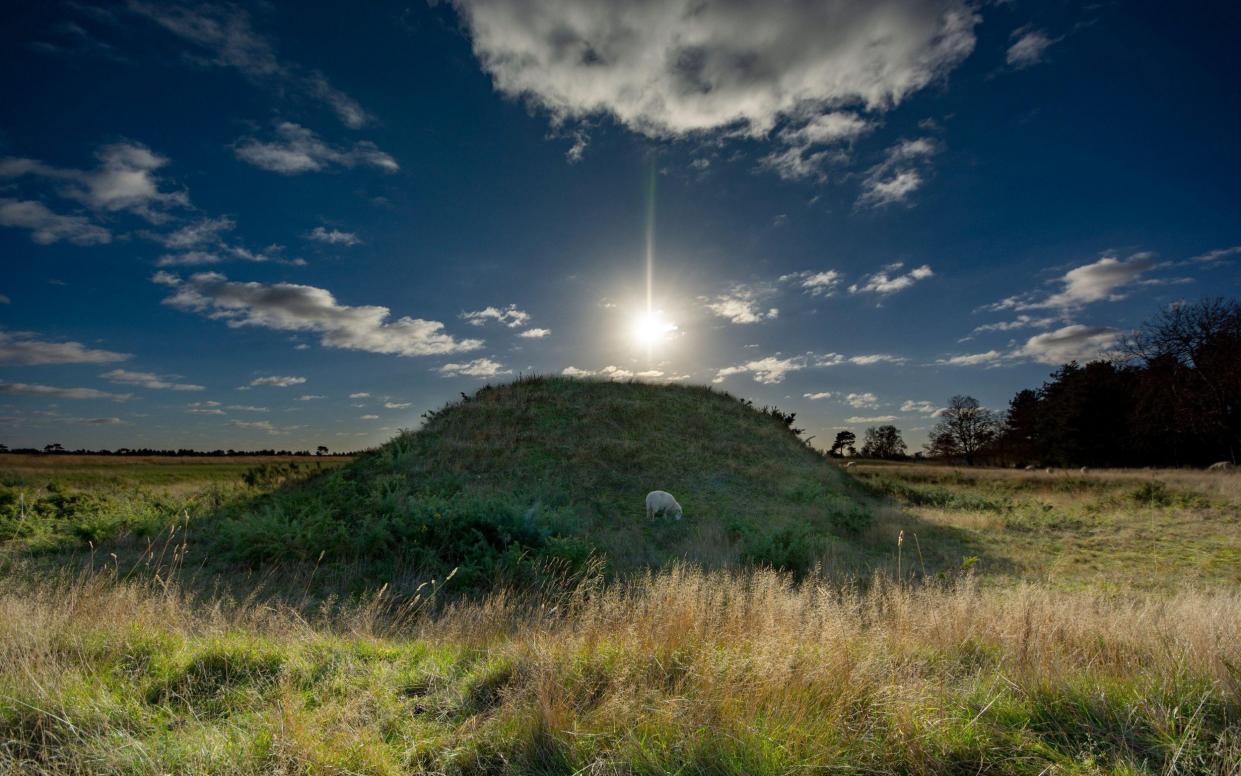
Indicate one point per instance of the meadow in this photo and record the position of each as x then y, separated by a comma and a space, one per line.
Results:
1064, 623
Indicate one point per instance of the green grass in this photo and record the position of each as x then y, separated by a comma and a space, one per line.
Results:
182, 616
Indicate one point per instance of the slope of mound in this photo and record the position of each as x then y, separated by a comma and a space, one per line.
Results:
560, 467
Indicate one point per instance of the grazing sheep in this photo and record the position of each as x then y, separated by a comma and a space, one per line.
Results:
850, 464
1030, 467
1219, 466
1084, 470
1050, 470
658, 501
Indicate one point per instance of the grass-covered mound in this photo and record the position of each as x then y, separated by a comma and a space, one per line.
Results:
554, 467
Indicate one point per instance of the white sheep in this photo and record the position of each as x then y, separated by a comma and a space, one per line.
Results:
1050, 470
659, 501
1084, 470
1219, 466
850, 464
1030, 467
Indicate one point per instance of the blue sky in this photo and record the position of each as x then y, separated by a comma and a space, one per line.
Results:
285, 225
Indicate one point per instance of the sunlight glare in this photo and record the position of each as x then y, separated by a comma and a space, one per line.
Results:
650, 329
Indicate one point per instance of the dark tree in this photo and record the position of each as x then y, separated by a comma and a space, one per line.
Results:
321, 450
883, 442
55, 447
1201, 341
845, 441
964, 429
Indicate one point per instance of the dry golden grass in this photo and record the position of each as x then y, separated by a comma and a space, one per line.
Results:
681, 671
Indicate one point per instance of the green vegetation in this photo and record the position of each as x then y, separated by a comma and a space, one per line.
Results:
555, 469
246, 616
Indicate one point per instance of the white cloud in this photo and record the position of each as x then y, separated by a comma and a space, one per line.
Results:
55, 392
278, 381
535, 333
205, 411
125, 180
205, 231
295, 307
311, 397
889, 280
256, 425
875, 358
862, 401
1070, 343
224, 32
147, 380
19, 348
1028, 48
368, 417
297, 149
741, 305
988, 358
1099, 281
1217, 255
899, 175
809, 148
397, 405
818, 396
360, 395
1020, 322
509, 316
5, 300
333, 237
47, 227
871, 419
769, 370
924, 407
685, 66
822, 283
611, 372
479, 367
244, 407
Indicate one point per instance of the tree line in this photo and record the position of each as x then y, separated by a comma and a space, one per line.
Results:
1169, 396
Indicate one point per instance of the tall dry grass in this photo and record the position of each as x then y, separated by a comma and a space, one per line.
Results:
677, 670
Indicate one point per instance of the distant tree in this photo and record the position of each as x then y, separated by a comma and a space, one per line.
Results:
321, 450
964, 429
845, 441
3, 448
55, 447
883, 442
1203, 340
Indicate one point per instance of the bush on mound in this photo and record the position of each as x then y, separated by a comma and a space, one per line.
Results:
556, 468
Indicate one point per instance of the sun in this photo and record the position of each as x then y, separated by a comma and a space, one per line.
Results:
651, 328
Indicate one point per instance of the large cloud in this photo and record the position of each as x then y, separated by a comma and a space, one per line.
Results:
295, 307
671, 67
1105, 280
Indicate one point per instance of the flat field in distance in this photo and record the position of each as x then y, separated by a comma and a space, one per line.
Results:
1106, 529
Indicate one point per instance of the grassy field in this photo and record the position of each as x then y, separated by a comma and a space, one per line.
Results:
977, 621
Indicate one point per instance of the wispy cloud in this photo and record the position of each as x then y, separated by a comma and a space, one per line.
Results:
509, 316
47, 227
225, 35
899, 175
147, 380
125, 180
278, 381
55, 392
821, 283
535, 333
479, 367
295, 307
741, 305
1029, 47
890, 280
296, 149
21, 348
1105, 280
333, 237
